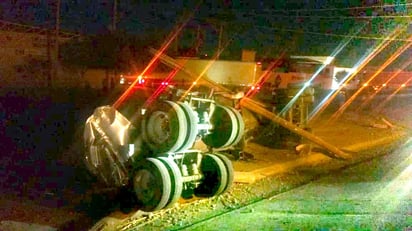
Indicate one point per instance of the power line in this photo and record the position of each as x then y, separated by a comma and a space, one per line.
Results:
271, 16
344, 17
250, 24
19, 27
334, 35
332, 8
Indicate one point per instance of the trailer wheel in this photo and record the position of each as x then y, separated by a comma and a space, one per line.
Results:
191, 120
240, 124
152, 185
229, 170
176, 180
228, 127
214, 177
164, 127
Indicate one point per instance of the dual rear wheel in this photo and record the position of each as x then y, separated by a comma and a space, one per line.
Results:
173, 126
217, 173
228, 128
159, 183
169, 127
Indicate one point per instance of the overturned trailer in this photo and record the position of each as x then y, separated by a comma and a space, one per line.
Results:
152, 153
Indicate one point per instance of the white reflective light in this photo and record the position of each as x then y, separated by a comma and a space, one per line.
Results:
131, 150
328, 60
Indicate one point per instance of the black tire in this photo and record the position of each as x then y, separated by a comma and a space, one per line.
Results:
164, 127
214, 177
192, 121
229, 170
152, 185
225, 128
176, 180
240, 124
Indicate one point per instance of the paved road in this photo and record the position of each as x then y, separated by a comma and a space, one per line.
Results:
371, 196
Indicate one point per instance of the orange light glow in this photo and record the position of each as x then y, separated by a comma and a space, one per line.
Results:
173, 35
367, 100
393, 57
265, 75
383, 103
160, 88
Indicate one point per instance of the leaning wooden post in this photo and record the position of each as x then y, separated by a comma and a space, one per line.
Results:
255, 107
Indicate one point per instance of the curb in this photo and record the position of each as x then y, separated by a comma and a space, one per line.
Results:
375, 143
312, 159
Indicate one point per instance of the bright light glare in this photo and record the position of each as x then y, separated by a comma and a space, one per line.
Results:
391, 198
363, 61
393, 57
328, 60
387, 99
335, 52
370, 97
172, 36
335, 84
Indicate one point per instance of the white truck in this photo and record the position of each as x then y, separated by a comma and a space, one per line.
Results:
231, 74
223, 72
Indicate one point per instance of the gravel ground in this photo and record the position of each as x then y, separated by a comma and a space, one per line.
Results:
353, 126
349, 130
186, 213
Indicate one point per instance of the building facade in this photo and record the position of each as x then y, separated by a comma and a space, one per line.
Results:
28, 56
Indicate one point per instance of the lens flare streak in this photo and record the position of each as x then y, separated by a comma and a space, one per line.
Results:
359, 66
173, 35
254, 106
398, 189
383, 103
394, 75
200, 76
394, 56
265, 75
308, 83
160, 88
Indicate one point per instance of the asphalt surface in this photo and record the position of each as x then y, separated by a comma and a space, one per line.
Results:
373, 195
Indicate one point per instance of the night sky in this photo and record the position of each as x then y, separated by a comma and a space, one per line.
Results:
300, 26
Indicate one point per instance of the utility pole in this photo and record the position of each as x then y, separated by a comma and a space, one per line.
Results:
55, 60
50, 63
111, 79
220, 40
114, 20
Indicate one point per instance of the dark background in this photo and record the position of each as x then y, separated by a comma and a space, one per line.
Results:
301, 27
41, 128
